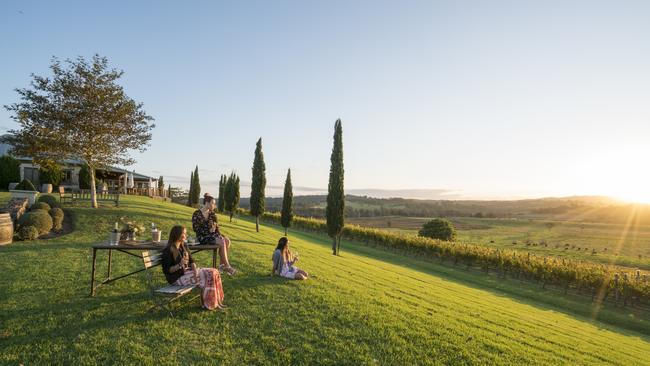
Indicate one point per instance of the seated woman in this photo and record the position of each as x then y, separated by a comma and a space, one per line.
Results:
283, 262
204, 223
180, 269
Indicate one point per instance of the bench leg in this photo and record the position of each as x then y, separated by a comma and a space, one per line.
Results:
110, 255
92, 276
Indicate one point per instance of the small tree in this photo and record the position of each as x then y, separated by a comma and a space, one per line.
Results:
161, 186
258, 185
79, 113
9, 171
84, 177
287, 204
221, 202
169, 191
441, 229
196, 193
51, 173
232, 194
335, 196
190, 193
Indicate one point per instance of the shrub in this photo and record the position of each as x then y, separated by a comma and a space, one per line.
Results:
28, 232
57, 218
438, 229
40, 206
84, 177
50, 200
40, 219
25, 185
9, 171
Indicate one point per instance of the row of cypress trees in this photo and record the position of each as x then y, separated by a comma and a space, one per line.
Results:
335, 191
195, 188
228, 200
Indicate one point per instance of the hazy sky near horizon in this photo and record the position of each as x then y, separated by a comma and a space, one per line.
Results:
459, 99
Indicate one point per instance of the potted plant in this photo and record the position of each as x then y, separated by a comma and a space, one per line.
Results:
130, 230
25, 189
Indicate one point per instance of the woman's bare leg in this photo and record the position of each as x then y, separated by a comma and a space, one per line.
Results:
223, 255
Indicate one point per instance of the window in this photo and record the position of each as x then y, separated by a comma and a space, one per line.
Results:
32, 175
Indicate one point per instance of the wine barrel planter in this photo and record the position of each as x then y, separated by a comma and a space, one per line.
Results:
6, 229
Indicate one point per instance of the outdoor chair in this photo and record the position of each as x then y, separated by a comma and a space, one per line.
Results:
163, 296
65, 196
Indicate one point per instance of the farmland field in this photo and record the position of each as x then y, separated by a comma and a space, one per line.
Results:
366, 306
601, 242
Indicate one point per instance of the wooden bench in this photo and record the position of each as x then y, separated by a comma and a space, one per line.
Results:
84, 195
163, 296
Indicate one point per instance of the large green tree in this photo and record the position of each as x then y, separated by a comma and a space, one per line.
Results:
79, 112
335, 196
287, 204
232, 194
9, 171
258, 184
196, 193
221, 202
190, 193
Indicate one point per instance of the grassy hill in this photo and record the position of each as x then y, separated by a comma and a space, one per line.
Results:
365, 307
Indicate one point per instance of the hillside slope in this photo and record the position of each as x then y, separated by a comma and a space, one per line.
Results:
364, 307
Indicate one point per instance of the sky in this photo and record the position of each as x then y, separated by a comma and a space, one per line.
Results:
438, 99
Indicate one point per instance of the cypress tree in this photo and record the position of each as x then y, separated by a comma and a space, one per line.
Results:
197, 187
190, 193
221, 202
287, 204
335, 195
232, 194
169, 191
258, 184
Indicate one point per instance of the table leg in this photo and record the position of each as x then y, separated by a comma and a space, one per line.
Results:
214, 258
110, 255
92, 276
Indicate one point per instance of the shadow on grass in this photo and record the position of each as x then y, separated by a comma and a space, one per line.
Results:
611, 318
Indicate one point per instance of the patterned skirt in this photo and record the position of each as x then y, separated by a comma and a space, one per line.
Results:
210, 284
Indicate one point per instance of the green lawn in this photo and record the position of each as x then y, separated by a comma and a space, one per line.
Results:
365, 307
572, 239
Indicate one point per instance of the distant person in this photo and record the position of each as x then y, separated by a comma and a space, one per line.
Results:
284, 260
180, 269
204, 223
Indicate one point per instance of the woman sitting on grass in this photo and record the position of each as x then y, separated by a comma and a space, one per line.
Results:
283, 261
204, 223
180, 269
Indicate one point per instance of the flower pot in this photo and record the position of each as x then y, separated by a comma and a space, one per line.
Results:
46, 188
30, 195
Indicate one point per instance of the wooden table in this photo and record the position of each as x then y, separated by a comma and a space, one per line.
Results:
138, 247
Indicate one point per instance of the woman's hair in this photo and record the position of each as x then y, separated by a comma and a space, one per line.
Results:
175, 235
207, 198
282, 243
